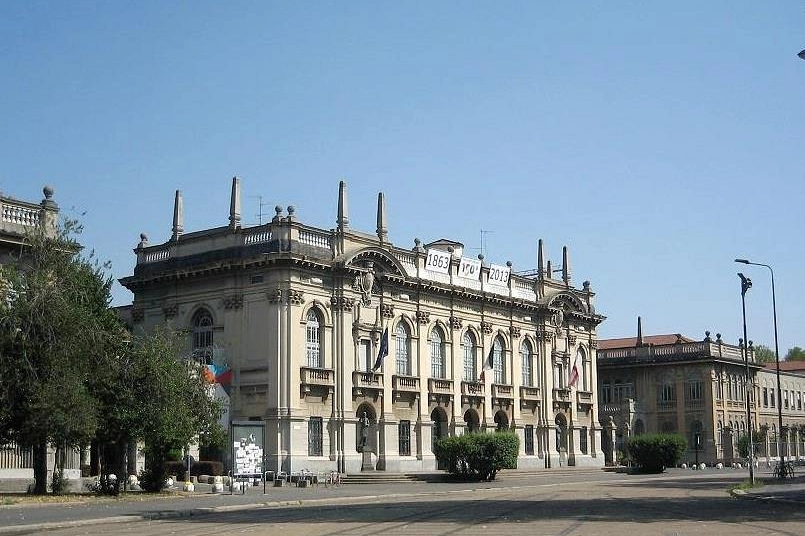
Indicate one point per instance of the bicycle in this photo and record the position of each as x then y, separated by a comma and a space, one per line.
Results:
784, 470
333, 478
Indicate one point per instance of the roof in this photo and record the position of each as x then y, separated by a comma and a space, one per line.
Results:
797, 367
631, 342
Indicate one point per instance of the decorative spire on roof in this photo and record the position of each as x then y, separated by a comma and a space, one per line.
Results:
343, 209
565, 266
382, 229
234, 204
178, 216
540, 260
640, 332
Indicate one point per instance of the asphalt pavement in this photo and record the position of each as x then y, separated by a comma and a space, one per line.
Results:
26, 518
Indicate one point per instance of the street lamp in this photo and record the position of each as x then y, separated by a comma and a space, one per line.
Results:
802, 54
746, 284
776, 351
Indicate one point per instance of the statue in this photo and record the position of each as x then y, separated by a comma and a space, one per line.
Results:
364, 432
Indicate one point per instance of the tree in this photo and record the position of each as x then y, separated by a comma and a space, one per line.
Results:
764, 354
55, 326
172, 401
478, 456
795, 354
652, 453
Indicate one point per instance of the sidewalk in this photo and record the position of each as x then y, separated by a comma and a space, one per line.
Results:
788, 491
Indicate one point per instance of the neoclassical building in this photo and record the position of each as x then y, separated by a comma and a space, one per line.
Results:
698, 388
300, 314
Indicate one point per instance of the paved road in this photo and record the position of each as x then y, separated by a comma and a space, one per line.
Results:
568, 504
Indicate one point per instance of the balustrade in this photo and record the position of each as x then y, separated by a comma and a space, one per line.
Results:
317, 376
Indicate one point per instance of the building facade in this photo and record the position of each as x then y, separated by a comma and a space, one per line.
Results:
697, 388
357, 354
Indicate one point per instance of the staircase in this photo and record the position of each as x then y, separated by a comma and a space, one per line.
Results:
382, 477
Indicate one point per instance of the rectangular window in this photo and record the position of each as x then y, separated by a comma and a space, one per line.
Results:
786, 400
529, 440
365, 358
257, 279
694, 391
799, 401
405, 438
315, 438
583, 440
771, 397
765, 397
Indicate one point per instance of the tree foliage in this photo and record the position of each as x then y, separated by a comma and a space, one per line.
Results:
764, 354
795, 354
70, 372
478, 456
56, 325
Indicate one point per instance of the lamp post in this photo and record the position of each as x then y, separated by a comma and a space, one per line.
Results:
746, 284
776, 351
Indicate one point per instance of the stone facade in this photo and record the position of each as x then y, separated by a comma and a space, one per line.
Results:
671, 383
300, 315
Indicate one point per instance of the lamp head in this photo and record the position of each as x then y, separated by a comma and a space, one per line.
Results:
742, 261
746, 283
802, 54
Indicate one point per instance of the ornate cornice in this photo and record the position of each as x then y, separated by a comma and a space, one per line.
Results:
387, 311
455, 323
423, 317
486, 327
342, 303
295, 297
170, 310
275, 296
515, 332
235, 301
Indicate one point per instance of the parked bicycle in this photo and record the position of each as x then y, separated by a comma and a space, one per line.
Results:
332, 479
784, 470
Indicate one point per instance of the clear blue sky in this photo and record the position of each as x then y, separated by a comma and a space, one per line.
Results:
658, 140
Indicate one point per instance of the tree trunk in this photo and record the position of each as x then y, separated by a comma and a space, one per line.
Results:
40, 452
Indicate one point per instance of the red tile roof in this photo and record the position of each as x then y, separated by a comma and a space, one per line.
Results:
787, 366
631, 342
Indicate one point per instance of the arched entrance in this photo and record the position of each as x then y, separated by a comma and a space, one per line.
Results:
440, 430
471, 421
501, 421
366, 429
561, 438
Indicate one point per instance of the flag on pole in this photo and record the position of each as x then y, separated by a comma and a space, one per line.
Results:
383, 351
574, 372
488, 363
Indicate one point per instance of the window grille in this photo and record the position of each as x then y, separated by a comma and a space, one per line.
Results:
315, 437
203, 336
405, 438
529, 440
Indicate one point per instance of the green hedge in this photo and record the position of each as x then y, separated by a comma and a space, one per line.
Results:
478, 456
652, 453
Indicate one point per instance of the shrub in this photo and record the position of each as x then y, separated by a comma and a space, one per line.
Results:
175, 468
478, 456
652, 453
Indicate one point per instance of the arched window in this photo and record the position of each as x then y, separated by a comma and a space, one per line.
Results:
437, 365
581, 367
313, 338
525, 358
498, 363
202, 336
403, 354
468, 346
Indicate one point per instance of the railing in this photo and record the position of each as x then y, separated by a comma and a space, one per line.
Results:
584, 397
157, 256
313, 238
317, 376
437, 385
502, 391
529, 393
408, 261
472, 388
562, 395
666, 405
369, 380
405, 383
18, 215
257, 237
